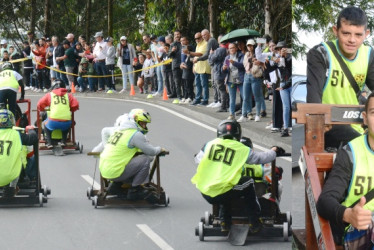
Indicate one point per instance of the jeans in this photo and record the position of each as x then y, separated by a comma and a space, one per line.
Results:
125, 69
169, 82
286, 104
202, 87
82, 81
251, 86
100, 69
159, 79
42, 78
232, 93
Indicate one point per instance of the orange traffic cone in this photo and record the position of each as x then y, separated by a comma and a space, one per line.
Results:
72, 88
165, 95
132, 90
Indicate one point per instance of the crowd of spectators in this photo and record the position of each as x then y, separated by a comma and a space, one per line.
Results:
255, 70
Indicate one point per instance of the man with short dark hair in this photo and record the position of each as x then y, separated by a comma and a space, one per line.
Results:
99, 53
175, 54
345, 199
326, 80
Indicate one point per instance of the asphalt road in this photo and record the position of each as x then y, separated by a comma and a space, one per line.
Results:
69, 221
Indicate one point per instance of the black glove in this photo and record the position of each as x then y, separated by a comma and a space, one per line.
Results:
280, 151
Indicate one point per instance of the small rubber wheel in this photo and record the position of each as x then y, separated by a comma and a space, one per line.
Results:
167, 200
41, 199
289, 217
46, 190
81, 149
201, 231
206, 218
285, 231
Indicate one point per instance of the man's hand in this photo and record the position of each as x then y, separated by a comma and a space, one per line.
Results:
278, 150
358, 216
30, 127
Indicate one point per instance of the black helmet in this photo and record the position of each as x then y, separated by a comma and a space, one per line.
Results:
247, 141
6, 65
58, 84
229, 129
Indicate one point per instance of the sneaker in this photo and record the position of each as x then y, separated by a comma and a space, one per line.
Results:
221, 110
285, 133
156, 94
195, 102
217, 105
231, 117
38, 90
289, 130
137, 193
45, 90
250, 116
203, 103
225, 226
263, 114
109, 91
100, 90
188, 100
49, 146
27, 88
176, 101
257, 118
211, 105
149, 96
269, 126
122, 91
275, 130
242, 119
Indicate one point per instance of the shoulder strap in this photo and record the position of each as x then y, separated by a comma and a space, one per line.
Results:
368, 196
345, 69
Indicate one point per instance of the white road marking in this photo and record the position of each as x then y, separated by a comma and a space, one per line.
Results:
179, 115
154, 237
89, 179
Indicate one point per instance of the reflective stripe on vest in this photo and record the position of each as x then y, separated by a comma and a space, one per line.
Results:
60, 107
337, 89
221, 166
8, 80
117, 154
10, 155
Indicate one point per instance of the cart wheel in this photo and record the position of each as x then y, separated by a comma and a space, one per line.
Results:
41, 199
94, 201
201, 231
46, 190
285, 231
76, 145
81, 149
89, 193
207, 220
289, 218
167, 200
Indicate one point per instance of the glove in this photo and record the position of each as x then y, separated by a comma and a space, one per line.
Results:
164, 152
279, 150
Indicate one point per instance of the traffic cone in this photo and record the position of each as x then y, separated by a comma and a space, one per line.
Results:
72, 88
165, 95
132, 90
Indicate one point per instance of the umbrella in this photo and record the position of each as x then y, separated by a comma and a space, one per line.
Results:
239, 34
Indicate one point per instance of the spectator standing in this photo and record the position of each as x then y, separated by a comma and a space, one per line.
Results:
148, 74
175, 54
138, 65
58, 65
69, 62
187, 72
126, 54
146, 42
14, 55
39, 50
234, 68
157, 47
216, 60
109, 63
201, 69
70, 38
99, 53
28, 68
168, 73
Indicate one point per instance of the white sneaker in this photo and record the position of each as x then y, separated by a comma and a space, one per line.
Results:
231, 117
32, 88
122, 91
156, 94
27, 88
257, 118
45, 90
217, 105
242, 119
38, 90
269, 126
188, 100
211, 105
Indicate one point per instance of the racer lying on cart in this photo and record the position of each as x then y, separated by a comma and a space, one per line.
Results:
61, 104
219, 176
119, 161
11, 142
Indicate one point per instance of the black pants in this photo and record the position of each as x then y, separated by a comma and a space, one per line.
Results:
224, 95
277, 109
177, 77
27, 74
9, 97
42, 78
111, 82
188, 88
245, 188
